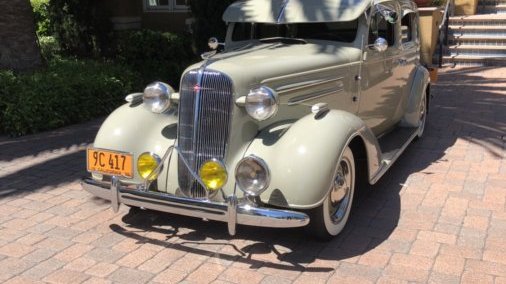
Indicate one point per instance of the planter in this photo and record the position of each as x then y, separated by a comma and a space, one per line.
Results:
430, 18
432, 74
465, 7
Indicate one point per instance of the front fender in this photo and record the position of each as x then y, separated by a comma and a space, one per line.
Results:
302, 156
136, 130
418, 88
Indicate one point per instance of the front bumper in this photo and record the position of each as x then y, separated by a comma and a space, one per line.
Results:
230, 212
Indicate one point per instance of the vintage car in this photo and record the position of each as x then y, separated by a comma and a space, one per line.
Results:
279, 124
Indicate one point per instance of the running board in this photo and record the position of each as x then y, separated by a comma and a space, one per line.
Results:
392, 146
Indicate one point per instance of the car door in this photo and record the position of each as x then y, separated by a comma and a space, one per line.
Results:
381, 73
410, 57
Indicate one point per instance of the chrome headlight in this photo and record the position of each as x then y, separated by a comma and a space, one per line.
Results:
262, 103
252, 175
156, 97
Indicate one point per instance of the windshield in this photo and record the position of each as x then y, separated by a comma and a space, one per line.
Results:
331, 31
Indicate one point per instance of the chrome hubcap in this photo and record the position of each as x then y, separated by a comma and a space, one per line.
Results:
340, 194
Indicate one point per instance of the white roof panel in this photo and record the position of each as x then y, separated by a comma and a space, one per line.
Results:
295, 11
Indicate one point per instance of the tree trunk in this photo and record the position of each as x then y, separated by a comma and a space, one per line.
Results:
19, 49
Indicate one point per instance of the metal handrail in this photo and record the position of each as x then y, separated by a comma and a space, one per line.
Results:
443, 35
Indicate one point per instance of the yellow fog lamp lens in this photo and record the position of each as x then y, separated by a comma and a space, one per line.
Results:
213, 174
146, 164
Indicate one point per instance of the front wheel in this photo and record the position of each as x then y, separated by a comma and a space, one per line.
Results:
329, 219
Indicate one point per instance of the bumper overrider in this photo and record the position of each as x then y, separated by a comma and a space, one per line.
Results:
230, 211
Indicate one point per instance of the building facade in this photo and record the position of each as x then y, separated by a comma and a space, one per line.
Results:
163, 15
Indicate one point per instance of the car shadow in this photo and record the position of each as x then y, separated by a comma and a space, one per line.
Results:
43, 143
375, 216
377, 209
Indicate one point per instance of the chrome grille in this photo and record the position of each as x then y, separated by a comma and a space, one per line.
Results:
205, 110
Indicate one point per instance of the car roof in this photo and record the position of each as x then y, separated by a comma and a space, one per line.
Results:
295, 11
304, 11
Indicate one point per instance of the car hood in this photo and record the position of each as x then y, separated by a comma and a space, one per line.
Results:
252, 65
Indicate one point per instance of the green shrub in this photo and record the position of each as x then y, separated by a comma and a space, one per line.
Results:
40, 12
82, 27
155, 55
49, 47
67, 92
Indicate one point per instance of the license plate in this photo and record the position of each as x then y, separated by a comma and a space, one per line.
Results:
109, 162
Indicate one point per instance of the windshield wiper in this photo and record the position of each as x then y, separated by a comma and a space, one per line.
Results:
287, 40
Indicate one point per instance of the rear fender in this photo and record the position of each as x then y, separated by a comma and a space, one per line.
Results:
419, 86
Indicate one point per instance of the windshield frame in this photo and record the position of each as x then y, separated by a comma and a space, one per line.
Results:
322, 31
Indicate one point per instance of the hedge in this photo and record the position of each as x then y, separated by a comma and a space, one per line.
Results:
68, 91
157, 56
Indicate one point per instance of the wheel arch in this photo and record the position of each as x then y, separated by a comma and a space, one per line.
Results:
302, 159
420, 86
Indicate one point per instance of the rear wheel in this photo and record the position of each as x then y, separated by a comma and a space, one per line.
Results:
422, 115
330, 218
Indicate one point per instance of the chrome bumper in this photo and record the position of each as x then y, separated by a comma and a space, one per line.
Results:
230, 212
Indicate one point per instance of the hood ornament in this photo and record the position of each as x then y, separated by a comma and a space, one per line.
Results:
213, 44
207, 55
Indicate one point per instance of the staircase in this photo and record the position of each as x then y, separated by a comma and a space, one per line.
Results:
478, 40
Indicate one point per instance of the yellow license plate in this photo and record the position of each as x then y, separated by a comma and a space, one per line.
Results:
109, 162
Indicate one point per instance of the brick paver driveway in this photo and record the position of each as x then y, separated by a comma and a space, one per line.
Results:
437, 216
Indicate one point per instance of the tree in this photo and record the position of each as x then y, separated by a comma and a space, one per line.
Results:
81, 27
19, 49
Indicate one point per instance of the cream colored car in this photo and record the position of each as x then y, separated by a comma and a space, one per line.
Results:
277, 125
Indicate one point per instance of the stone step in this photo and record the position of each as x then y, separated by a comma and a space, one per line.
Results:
479, 47
478, 33
491, 2
477, 30
468, 60
477, 27
478, 50
477, 40
481, 19
492, 9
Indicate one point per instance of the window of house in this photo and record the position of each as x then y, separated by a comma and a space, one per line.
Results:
180, 4
166, 5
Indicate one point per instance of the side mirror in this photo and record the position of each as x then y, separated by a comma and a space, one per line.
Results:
213, 43
380, 44
389, 15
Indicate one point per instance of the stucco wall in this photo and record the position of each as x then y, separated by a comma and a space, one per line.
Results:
430, 19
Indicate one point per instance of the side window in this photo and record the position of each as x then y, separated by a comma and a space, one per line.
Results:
408, 28
383, 25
